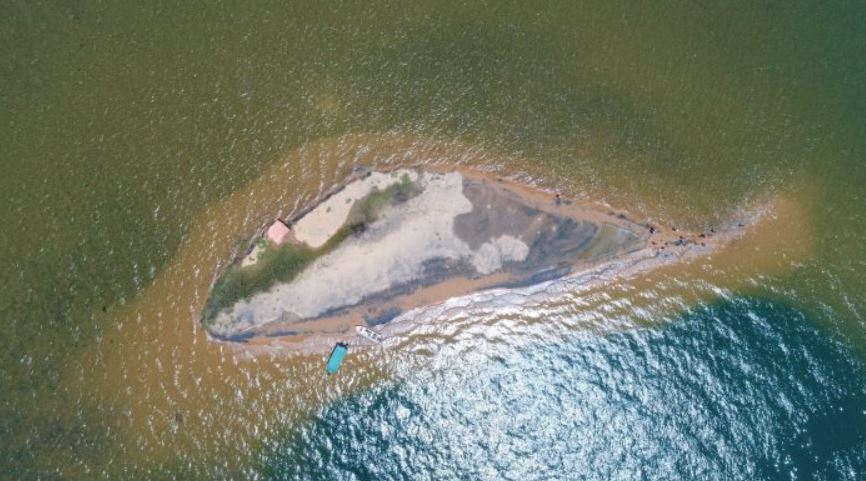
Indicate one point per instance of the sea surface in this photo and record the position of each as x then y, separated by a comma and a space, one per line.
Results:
142, 143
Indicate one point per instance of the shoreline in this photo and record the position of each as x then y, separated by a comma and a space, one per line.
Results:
657, 247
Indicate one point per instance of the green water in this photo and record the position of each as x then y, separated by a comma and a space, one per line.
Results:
121, 121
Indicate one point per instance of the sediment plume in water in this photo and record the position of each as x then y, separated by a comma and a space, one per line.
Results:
234, 390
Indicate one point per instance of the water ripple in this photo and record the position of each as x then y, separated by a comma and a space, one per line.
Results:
730, 391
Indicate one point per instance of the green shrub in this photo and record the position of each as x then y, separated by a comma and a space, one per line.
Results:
275, 264
370, 207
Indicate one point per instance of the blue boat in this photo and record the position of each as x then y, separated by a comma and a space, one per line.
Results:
337, 356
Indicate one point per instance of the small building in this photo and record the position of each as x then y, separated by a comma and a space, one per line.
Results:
278, 232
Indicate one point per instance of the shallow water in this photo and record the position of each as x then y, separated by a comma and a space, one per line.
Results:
141, 144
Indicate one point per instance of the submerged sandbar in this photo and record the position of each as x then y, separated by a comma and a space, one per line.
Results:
384, 243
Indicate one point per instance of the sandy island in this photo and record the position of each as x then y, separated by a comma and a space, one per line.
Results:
389, 249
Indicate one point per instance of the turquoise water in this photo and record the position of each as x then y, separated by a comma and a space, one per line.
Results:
743, 389
140, 142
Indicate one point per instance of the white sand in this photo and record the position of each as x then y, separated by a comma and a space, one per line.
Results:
325, 220
253, 256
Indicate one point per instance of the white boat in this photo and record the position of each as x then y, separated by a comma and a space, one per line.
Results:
370, 334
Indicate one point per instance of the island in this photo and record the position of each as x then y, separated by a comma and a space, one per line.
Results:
387, 243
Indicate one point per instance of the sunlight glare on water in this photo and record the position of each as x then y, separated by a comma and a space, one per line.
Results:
713, 395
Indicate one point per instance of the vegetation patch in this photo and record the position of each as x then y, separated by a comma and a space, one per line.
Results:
370, 207
275, 264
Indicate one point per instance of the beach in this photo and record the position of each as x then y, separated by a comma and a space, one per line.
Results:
467, 238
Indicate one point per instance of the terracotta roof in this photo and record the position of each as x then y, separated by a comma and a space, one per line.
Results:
277, 232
